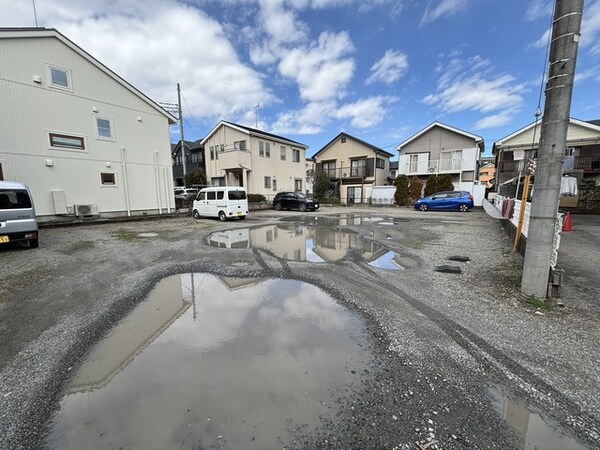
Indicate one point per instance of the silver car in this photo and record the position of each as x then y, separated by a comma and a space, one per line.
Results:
17, 214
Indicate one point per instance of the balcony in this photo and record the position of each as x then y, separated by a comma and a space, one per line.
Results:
347, 172
231, 157
587, 163
435, 166
511, 166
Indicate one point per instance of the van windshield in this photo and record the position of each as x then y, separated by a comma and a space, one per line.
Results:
14, 199
237, 195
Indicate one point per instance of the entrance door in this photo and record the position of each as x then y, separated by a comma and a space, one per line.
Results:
354, 195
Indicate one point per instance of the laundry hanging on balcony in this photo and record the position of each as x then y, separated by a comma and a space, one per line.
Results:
568, 186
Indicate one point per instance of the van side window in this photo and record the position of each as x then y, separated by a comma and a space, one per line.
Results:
237, 195
202, 196
211, 195
14, 199
220, 195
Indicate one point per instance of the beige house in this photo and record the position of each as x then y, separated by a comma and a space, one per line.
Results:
354, 167
441, 149
263, 163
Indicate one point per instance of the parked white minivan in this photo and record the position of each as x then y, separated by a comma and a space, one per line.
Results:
224, 202
17, 214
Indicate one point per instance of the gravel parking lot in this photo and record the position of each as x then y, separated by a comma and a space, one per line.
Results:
445, 345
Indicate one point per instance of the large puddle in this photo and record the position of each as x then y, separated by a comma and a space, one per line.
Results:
533, 430
317, 239
215, 362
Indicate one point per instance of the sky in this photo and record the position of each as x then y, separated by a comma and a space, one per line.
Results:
379, 70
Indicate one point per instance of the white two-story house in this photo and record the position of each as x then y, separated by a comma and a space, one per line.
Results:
263, 163
85, 140
441, 149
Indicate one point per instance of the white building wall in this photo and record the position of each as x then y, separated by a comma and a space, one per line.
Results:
30, 110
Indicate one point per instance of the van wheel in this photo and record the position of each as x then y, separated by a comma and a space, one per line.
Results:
196, 214
34, 243
222, 216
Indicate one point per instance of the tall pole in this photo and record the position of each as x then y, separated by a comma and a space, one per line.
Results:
181, 133
559, 91
35, 13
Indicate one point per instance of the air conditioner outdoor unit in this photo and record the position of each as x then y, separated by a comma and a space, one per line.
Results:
86, 210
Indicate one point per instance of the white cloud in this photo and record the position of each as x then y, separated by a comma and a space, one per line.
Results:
145, 44
445, 8
321, 69
495, 120
470, 84
538, 9
389, 68
365, 113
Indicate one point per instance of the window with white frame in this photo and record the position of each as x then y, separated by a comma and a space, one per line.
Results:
212, 152
298, 184
239, 145
267, 182
283, 152
222, 149
108, 179
267, 149
380, 163
358, 168
413, 163
329, 168
261, 149
104, 128
60, 78
274, 184
295, 155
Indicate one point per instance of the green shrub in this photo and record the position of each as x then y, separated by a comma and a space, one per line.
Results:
401, 194
416, 188
322, 186
431, 185
445, 183
256, 198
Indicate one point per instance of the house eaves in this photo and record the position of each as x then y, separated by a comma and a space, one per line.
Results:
20, 33
366, 144
592, 125
252, 132
476, 138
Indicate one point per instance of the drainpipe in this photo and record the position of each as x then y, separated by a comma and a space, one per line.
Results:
157, 179
124, 164
167, 189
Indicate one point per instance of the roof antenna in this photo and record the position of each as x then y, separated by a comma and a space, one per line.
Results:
256, 114
35, 13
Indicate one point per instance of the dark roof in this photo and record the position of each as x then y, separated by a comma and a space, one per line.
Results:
594, 122
371, 146
394, 165
264, 133
191, 145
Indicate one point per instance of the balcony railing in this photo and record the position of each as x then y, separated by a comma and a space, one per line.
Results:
433, 166
347, 172
511, 166
587, 163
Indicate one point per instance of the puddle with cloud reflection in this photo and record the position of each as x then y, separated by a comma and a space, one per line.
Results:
315, 239
215, 362
533, 430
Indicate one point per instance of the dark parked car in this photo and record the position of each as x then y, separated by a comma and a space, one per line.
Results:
294, 200
458, 200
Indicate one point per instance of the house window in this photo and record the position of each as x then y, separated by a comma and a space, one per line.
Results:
329, 168
267, 149
239, 145
380, 163
178, 160
295, 155
261, 149
195, 157
212, 152
67, 141
451, 160
283, 153
60, 78
274, 184
298, 185
413, 163
343, 140
267, 182
108, 179
222, 148
104, 128
358, 168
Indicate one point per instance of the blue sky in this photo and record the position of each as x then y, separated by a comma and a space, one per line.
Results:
379, 70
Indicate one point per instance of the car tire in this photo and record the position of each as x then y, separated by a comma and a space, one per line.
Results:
302, 207
463, 207
222, 216
34, 243
423, 207
196, 214
278, 206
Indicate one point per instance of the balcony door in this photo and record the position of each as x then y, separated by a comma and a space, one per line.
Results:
450, 160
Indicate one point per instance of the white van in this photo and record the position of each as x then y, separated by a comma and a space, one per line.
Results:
17, 214
222, 202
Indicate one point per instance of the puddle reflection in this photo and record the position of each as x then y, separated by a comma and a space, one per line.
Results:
533, 430
210, 362
313, 240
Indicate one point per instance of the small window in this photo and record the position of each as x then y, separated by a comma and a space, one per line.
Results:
298, 185
222, 148
380, 163
202, 196
261, 149
237, 195
267, 182
104, 126
108, 179
274, 184
283, 153
67, 141
60, 78
211, 195
343, 140
295, 155
239, 145
220, 195
267, 150
212, 152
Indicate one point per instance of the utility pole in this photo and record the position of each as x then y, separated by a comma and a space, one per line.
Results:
551, 151
181, 133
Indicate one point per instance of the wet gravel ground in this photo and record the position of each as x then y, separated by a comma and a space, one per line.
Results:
439, 340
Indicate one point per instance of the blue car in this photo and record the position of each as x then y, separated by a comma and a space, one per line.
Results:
454, 200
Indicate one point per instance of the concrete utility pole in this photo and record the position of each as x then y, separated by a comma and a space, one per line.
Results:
181, 133
551, 150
